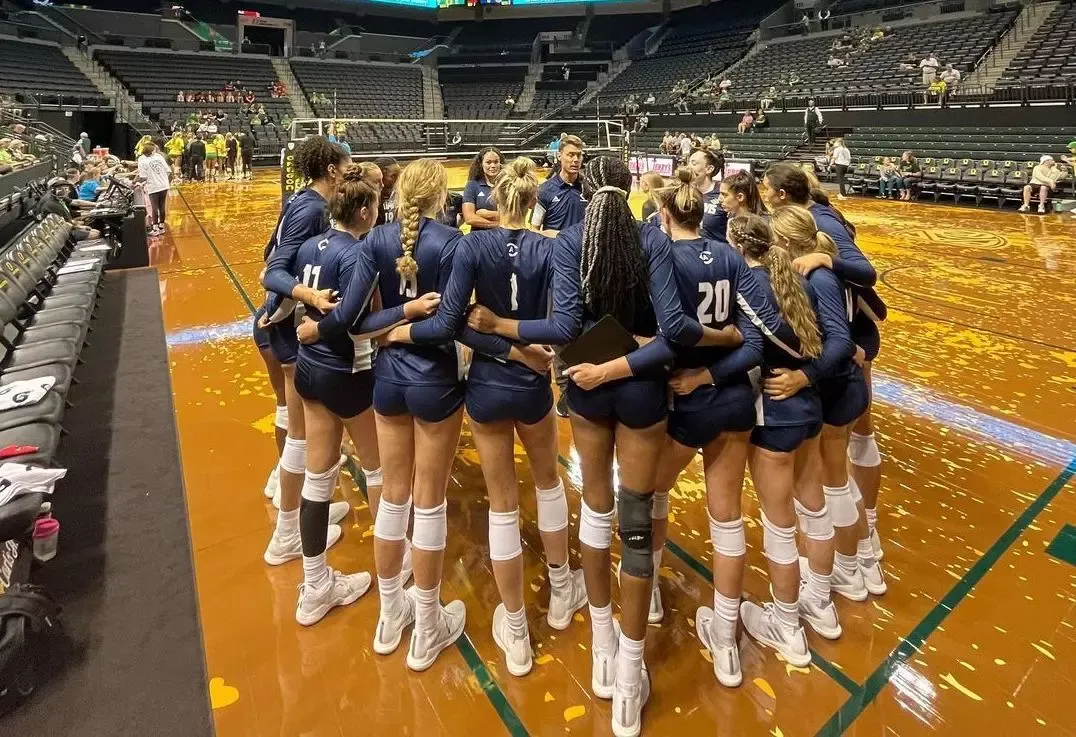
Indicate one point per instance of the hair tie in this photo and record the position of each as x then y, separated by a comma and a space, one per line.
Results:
610, 188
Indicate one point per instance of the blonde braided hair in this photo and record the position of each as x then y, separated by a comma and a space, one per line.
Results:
422, 188
751, 234
797, 227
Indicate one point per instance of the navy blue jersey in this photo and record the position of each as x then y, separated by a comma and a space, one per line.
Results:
326, 261
832, 304
304, 216
715, 221
804, 408
510, 273
559, 204
478, 192
376, 269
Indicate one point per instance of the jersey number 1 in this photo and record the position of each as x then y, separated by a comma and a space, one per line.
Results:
311, 274
714, 307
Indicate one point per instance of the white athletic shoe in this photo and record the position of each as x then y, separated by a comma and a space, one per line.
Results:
850, 586
565, 602
343, 589
657, 611
873, 578
1023, 208
426, 646
1042, 209
726, 657
390, 626
272, 486
281, 550
822, 616
517, 650
876, 545
603, 666
761, 623
337, 511
628, 703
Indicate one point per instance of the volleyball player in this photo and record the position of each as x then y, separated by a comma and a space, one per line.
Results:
304, 216
479, 211
390, 172
739, 195
844, 398
510, 270
706, 167
418, 403
787, 184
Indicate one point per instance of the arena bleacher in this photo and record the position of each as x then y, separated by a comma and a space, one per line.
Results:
50, 75
1049, 58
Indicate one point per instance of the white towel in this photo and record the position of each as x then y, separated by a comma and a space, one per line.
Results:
25, 393
18, 478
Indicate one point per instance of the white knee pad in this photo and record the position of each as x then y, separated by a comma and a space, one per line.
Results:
552, 509
815, 525
660, 510
728, 538
318, 487
504, 542
391, 522
857, 495
779, 543
293, 458
431, 528
842, 506
595, 529
863, 451
281, 419
373, 478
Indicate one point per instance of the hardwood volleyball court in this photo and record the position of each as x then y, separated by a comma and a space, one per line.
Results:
975, 396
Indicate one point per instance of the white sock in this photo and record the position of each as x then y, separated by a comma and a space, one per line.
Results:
865, 553
391, 591
819, 586
517, 622
872, 517
427, 608
601, 626
287, 523
559, 576
847, 563
629, 660
726, 613
315, 572
788, 613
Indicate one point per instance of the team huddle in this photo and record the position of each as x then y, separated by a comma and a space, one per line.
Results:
750, 318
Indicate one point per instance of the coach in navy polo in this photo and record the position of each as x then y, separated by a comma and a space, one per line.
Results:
560, 198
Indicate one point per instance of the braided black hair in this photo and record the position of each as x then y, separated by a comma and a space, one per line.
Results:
314, 156
613, 270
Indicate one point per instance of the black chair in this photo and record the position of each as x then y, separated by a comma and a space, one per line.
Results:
968, 186
990, 187
1013, 189
928, 184
947, 182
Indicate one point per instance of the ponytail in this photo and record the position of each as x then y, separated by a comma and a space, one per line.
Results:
422, 190
683, 201
792, 300
824, 244
516, 188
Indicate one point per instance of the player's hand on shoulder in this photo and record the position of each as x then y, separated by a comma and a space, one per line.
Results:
423, 306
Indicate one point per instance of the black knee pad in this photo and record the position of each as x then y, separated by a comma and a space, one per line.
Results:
636, 528
313, 526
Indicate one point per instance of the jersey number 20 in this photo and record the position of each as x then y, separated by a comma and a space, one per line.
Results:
714, 307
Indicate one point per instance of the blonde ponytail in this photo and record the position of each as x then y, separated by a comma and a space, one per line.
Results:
792, 300
422, 190
824, 244
516, 188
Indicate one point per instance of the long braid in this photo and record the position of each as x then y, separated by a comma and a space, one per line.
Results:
612, 269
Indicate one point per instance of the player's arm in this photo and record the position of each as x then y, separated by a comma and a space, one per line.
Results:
673, 321
278, 277
837, 345
753, 302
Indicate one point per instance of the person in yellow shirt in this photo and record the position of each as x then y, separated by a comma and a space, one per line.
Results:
174, 148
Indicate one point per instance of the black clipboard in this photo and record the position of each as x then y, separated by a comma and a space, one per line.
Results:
603, 341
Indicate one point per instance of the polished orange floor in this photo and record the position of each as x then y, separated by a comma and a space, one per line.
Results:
976, 416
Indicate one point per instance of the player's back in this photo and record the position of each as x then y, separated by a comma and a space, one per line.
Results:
706, 274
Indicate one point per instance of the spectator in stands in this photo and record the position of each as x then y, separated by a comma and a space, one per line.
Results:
761, 120
566, 72
179, 96
806, 22
1070, 158
649, 184
746, 123
929, 65
390, 172
681, 103
650, 100
631, 106
248, 98
840, 159
836, 61
910, 174
479, 209
767, 99
686, 145
84, 142
936, 89
1045, 176
89, 184
812, 121
823, 19
888, 179
951, 76
5, 152
510, 103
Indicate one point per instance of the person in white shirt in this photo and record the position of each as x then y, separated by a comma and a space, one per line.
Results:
929, 65
153, 173
685, 148
1045, 177
951, 76
840, 158
650, 99
510, 103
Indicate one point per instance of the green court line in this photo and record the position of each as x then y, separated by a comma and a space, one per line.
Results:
700, 568
467, 649
1063, 547
860, 700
